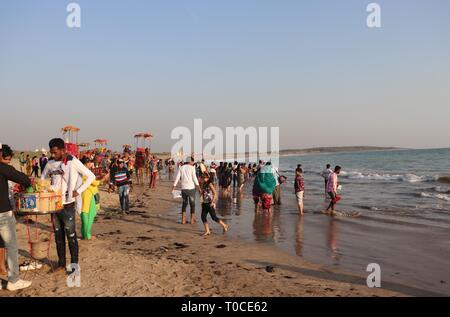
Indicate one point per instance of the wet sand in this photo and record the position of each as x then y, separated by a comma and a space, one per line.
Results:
413, 258
149, 253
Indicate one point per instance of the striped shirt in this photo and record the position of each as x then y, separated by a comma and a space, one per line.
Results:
122, 177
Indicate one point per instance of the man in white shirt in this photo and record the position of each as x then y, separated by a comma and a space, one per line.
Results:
66, 173
326, 174
187, 177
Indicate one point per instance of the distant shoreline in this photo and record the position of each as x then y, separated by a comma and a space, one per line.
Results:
307, 151
281, 153
340, 149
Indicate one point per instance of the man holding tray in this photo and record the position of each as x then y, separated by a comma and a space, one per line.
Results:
66, 173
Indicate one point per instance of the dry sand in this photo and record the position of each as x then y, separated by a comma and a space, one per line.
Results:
149, 253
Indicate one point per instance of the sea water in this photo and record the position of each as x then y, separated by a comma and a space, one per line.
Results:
404, 200
408, 185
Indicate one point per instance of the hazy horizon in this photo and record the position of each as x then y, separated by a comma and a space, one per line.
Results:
312, 68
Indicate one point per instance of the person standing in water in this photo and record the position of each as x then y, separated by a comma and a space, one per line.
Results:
277, 191
299, 189
187, 177
332, 186
209, 196
234, 173
263, 188
325, 174
241, 176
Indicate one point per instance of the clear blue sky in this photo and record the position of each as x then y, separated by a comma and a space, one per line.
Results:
313, 68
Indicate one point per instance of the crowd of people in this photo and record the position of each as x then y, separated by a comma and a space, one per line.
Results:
32, 166
79, 181
266, 189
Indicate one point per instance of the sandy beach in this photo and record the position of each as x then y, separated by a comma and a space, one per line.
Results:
149, 253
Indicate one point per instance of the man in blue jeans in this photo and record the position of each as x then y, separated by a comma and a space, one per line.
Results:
7, 219
66, 173
122, 180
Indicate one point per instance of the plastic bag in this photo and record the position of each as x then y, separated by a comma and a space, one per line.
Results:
176, 194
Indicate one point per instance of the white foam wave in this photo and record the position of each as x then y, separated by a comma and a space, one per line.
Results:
438, 196
410, 178
441, 189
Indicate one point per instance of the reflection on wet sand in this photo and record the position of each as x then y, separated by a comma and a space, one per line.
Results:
266, 226
299, 236
224, 204
263, 226
238, 197
332, 239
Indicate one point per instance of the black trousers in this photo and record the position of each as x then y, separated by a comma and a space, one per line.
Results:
64, 222
35, 171
207, 209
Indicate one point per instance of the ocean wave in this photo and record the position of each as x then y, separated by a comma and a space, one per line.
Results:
433, 195
410, 178
441, 189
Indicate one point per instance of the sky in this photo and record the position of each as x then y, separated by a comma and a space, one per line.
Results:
310, 67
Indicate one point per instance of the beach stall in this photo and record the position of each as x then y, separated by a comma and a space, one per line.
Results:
70, 136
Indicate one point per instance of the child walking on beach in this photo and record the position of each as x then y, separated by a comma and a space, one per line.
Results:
209, 196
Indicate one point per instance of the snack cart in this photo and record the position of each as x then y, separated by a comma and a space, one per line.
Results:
34, 205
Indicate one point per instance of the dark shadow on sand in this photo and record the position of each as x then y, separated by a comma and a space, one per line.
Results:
345, 278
